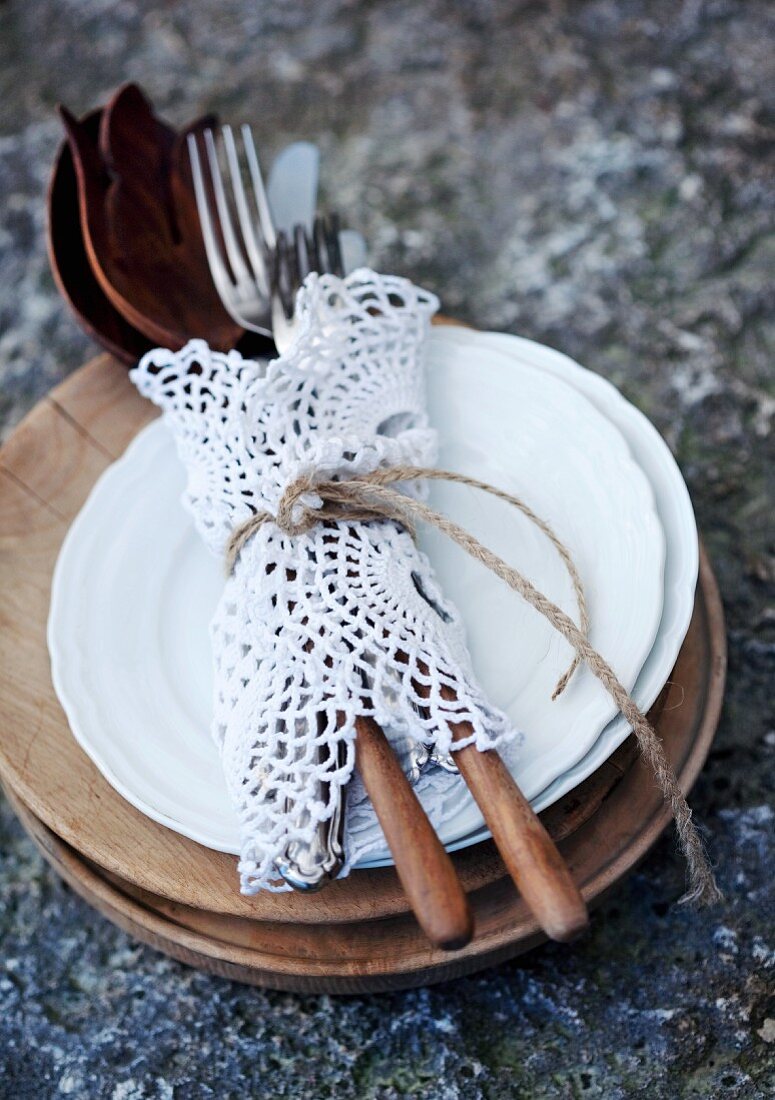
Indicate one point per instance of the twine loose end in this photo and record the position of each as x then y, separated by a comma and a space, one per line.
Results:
703, 895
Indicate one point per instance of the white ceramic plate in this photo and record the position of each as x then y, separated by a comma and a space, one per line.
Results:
134, 590
674, 509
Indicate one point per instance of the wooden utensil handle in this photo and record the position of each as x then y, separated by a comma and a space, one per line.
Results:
426, 872
539, 872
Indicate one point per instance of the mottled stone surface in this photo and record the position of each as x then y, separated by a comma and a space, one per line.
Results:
592, 175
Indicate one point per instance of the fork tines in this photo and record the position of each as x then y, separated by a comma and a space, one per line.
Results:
296, 257
255, 268
239, 258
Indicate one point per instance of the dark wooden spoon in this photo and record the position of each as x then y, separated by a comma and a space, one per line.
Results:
73, 274
140, 226
70, 264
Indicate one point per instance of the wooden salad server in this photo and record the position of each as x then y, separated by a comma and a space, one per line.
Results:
424, 867
70, 264
141, 227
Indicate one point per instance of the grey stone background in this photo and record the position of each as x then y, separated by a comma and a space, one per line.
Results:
593, 175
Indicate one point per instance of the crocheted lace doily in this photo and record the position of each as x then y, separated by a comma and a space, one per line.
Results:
346, 619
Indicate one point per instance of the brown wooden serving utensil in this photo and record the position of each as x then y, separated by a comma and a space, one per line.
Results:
426, 872
70, 263
140, 224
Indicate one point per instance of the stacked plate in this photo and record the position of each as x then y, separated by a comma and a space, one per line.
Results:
135, 682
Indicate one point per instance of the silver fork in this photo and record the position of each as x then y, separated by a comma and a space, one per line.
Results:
293, 262
295, 258
245, 257
255, 271
308, 866
240, 259
257, 276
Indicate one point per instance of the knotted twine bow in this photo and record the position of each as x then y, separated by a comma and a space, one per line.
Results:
370, 497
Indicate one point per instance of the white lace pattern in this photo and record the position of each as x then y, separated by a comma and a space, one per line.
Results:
346, 619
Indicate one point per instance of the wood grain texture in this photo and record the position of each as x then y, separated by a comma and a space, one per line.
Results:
140, 225
72, 270
529, 853
47, 469
424, 868
523, 842
392, 953
69, 260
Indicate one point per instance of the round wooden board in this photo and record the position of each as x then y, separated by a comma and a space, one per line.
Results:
50, 465
47, 469
391, 952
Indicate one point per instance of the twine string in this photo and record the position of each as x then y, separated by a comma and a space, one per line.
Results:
372, 496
